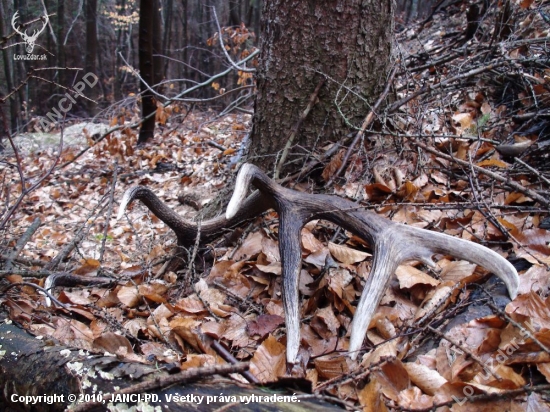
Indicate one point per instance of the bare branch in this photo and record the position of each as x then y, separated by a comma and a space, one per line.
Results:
228, 57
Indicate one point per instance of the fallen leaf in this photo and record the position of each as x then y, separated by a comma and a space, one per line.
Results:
346, 254
370, 397
129, 296
533, 307
440, 299
197, 361
413, 398
325, 323
493, 162
268, 362
525, 4
333, 166
535, 279
113, 343
264, 324
188, 328
250, 248
464, 119
331, 366
310, 242
544, 368
274, 268
427, 379
409, 276
153, 291
457, 270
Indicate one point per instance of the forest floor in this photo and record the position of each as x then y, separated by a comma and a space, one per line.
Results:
463, 150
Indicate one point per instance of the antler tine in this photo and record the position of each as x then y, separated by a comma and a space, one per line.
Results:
290, 228
242, 183
291, 221
385, 262
473, 252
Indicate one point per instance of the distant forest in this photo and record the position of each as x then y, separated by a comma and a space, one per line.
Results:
101, 37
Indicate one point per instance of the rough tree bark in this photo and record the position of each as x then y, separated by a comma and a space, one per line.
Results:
302, 41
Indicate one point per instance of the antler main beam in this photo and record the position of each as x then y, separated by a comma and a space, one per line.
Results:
393, 243
185, 231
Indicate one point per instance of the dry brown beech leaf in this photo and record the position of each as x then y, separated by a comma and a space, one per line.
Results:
346, 254
268, 362
410, 276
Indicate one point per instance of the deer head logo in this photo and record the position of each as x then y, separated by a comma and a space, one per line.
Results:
29, 40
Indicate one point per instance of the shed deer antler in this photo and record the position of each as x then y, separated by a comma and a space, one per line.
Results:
393, 244
29, 40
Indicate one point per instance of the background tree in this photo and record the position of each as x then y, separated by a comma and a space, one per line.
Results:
91, 48
147, 68
61, 59
8, 75
346, 43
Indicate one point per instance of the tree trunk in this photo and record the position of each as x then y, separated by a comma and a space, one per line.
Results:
146, 68
120, 49
8, 72
91, 50
234, 14
302, 42
61, 60
167, 41
185, 34
158, 74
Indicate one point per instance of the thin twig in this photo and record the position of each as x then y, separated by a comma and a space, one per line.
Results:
109, 212
359, 375
427, 87
40, 289
516, 324
220, 350
68, 248
227, 56
168, 102
465, 350
532, 169
24, 190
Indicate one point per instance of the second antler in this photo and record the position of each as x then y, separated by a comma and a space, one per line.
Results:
393, 243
